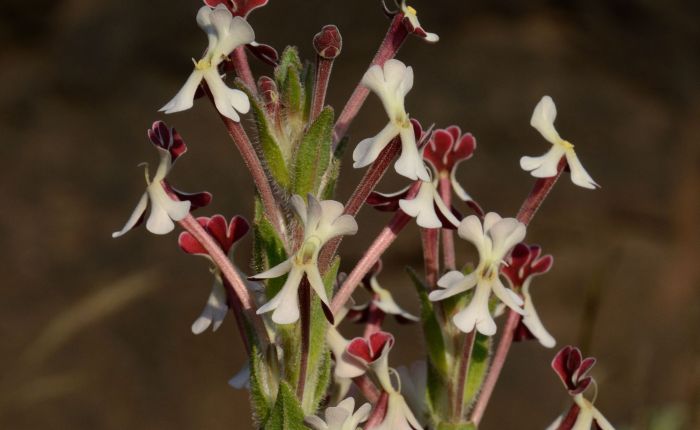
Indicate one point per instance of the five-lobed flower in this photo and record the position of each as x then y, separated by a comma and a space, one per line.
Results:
493, 240
391, 82
546, 165
341, 417
323, 220
167, 203
226, 234
225, 33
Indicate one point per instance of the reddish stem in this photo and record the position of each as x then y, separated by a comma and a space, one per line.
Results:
539, 192
239, 58
448, 241
393, 40
385, 238
463, 373
234, 304
359, 196
305, 316
323, 74
367, 388
378, 412
430, 240
375, 319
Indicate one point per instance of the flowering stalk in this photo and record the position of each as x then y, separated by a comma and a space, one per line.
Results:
446, 234
239, 59
539, 192
385, 238
367, 388
378, 412
462, 373
305, 317
430, 240
328, 45
393, 40
375, 320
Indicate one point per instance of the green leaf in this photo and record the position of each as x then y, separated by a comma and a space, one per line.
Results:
262, 385
273, 155
288, 60
293, 95
286, 413
330, 178
478, 368
313, 155
308, 78
268, 249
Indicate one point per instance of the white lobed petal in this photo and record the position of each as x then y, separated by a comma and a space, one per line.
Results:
236, 32
316, 282
299, 206
369, 149
184, 99
470, 229
286, 303
422, 207
431, 37
214, 311
602, 422
315, 423
505, 234
164, 210
135, 216
410, 163
453, 285
457, 187
204, 22
241, 379
544, 166
532, 321
507, 296
543, 119
476, 314
345, 365
579, 176
229, 102
491, 219
276, 271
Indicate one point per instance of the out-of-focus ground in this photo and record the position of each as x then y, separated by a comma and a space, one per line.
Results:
95, 332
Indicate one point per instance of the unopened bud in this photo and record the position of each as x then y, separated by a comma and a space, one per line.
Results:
268, 90
328, 42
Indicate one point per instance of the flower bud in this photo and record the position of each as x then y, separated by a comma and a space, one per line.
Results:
328, 43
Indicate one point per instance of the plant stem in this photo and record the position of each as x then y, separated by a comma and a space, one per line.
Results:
378, 412
375, 319
430, 241
385, 238
239, 59
305, 316
539, 192
323, 74
359, 196
448, 241
260, 177
527, 211
462, 375
393, 40
367, 388
230, 274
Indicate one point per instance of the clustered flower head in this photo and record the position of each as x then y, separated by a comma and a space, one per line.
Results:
525, 263
573, 369
226, 234
322, 220
546, 166
167, 203
493, 240
225, 32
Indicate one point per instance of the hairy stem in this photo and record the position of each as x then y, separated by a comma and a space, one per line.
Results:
239, 58
430, 241
305, 316
448, 241
393, 40
367, 388
323, 74
539, 192
378, 412
375, 320
462, 374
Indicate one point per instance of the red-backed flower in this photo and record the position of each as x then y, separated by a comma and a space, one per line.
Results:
225, 32
381, 299
391, 83
164, 208
341, 417
373, 353
427, 207
446, 149
573, 370
493, 240
525, 264
226, 235
410, 21
545, 166
323, 220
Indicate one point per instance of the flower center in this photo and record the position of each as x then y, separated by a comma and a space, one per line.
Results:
308, 251
566, 144
489, 272
402, 120
411, 10
203, 64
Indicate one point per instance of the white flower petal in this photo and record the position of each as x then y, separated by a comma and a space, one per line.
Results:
241, 379
315, 423
476, 314
135, 216
276, 271
507, 296
214, 311
491, 219
361, 415
345, 365
454, 285
579, 176
602, 422
446, 212
299, 206
158, 221
287, 308
184, 99
369, 149
316, 282
505, 234
431, 37
410, 164
470, 229
544, 166
228, 101
337, 416
422, 207
450, 278
238, 32
532, 320
457, 187
543, 119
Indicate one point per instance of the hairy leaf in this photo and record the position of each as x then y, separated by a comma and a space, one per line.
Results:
313, 155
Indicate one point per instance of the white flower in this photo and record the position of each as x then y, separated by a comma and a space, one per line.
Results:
398, 415
423, 207
164, 210
493, 241
340, 417
587, 416
322, 221
545, 166
412, 16
215, 310
346, 366
414, 385
391, 83
225, 33
532, 321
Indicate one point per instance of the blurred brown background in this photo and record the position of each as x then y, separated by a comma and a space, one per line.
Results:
96, 332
